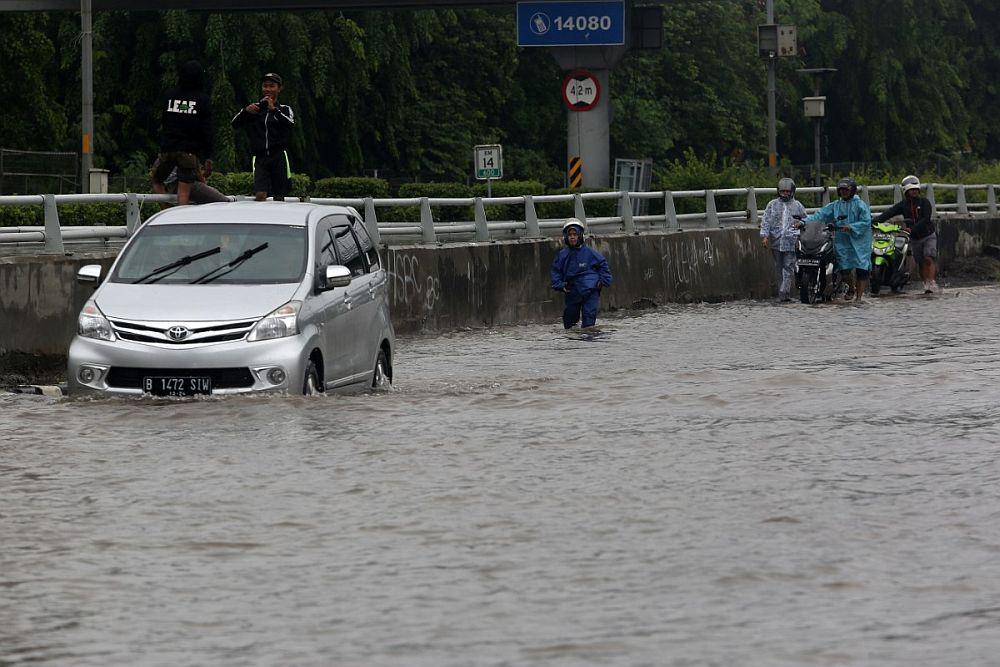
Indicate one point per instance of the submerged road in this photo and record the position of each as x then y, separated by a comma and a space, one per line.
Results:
732, 484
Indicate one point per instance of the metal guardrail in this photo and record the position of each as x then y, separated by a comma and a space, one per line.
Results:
52, 235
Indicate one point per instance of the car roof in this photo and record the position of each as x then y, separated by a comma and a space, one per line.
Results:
249, 212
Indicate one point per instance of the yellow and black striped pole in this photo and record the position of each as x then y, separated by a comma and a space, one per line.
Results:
575, 172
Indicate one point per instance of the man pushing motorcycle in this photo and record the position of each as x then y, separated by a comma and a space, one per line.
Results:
853, 239
917, 212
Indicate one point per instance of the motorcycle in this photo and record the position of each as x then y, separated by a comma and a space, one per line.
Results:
890, 245
816, 273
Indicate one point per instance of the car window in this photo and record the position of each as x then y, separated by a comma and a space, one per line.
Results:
325, 252
348, 251
367, 246
220, 253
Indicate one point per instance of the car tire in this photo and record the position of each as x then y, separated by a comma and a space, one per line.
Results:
381, 377
310, 381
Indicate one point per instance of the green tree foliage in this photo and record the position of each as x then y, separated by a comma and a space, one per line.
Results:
410, 92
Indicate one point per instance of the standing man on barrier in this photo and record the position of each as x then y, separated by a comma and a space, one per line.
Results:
779, 231
579, 272
269, 126
917, 212
852, 241
185, 133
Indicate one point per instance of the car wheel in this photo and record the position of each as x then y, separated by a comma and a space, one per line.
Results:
310, 383
381, 380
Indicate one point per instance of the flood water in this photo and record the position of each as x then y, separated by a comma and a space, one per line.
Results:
732, 484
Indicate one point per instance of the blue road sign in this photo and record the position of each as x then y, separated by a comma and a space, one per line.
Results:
580, 23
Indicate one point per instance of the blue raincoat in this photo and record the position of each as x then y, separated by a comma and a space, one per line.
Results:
853, 248
580, 272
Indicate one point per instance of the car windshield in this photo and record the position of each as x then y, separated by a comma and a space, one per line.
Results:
228, 254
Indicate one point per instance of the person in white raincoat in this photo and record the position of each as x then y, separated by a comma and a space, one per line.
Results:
779, 231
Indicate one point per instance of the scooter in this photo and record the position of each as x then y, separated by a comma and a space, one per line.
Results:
890, 245
816, 273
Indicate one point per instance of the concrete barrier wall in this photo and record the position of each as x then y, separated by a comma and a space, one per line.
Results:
445, 287
506, 282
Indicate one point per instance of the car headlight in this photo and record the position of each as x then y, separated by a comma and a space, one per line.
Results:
282, 322
93, 324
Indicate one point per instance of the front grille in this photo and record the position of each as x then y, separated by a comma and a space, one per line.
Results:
124, 377
200, 333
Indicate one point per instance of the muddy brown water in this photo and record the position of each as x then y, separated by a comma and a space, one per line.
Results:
733, 484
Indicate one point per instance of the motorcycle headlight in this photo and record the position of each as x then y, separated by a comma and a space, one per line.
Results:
93, 324
280, 323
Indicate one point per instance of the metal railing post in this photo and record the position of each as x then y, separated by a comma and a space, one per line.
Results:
711, 213
531, 218
578, 210
482, 229
963, 207
53, 233
991, 199
625, 205
670, 211
426, 222
132, 212
371, 220
826, 196
865, 196
897, 193
752, 217
930, 194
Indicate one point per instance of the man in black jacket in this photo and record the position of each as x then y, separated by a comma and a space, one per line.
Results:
917, 212
269, 126
185, 133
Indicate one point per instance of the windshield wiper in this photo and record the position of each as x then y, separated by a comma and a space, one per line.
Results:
177, 264
231, 266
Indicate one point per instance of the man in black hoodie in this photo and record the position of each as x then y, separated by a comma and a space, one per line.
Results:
269, 126
185, 133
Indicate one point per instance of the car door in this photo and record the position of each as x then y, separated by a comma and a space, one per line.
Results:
378, 284
331, 308
358, 298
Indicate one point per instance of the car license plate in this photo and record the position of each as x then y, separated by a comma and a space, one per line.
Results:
177, 386
808, 262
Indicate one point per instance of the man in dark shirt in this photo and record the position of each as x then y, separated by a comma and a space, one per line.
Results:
185, 133
269, 126
917, 212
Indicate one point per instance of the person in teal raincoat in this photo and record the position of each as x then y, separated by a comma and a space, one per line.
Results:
852, 242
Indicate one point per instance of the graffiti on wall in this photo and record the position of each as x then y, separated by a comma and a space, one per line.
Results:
409, 285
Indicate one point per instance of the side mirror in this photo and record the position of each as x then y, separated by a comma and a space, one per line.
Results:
336, 275
89, 275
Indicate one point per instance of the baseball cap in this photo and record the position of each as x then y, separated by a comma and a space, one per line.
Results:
271, 76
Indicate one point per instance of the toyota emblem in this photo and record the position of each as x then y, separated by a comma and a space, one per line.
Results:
178, 333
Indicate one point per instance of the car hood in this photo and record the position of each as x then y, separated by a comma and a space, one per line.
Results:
191, 303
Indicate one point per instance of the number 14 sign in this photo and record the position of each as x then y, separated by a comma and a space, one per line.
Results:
489, 162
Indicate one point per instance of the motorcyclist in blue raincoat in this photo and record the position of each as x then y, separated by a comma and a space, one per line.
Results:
852, 241
580, 272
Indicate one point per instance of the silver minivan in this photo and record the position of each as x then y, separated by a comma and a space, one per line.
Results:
237, 297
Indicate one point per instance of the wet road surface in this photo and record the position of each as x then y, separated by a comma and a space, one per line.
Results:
726, 484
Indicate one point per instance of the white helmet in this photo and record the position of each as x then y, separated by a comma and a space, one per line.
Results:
911, 183
570, 222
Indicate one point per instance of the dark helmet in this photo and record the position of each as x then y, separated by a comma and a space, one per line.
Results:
847, 183
191, 75
786, 184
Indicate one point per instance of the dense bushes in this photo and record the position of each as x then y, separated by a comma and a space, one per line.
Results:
693, 173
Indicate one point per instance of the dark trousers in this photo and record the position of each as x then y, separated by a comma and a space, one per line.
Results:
271, 174
575, 303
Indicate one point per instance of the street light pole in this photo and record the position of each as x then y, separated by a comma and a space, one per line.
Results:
772, 140
87, 94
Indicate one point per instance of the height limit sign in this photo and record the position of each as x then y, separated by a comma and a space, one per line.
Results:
581, 90
488, 161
